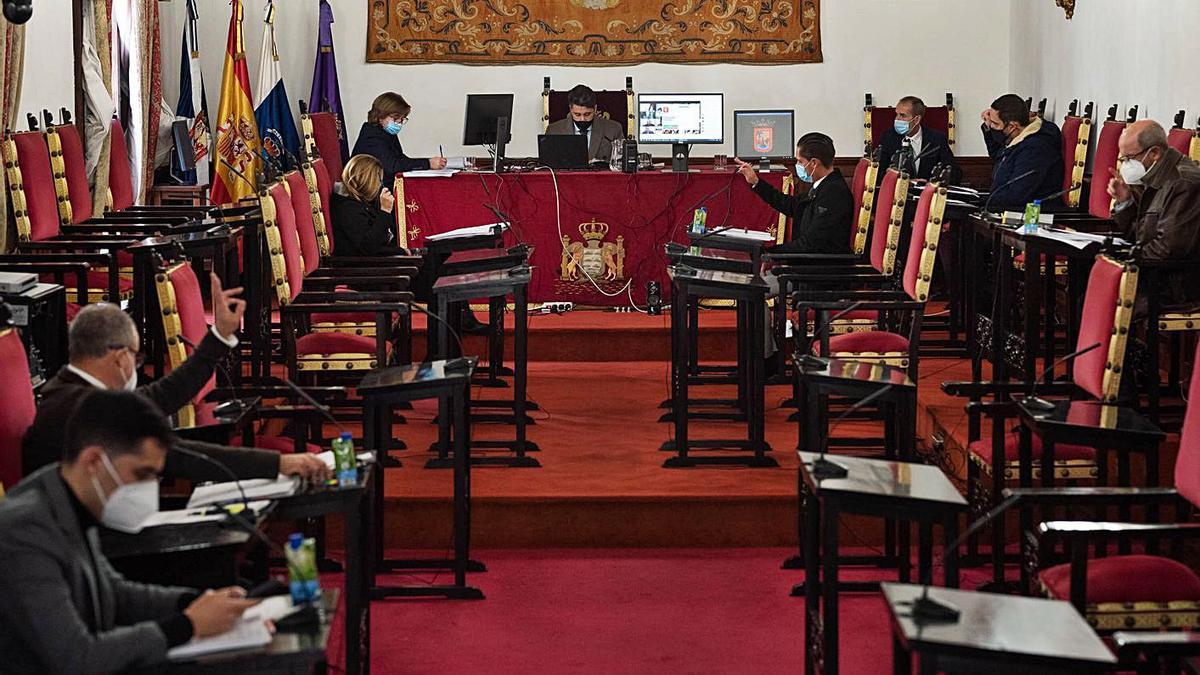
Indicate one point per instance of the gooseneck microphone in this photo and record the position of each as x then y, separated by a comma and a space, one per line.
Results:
926, 610
824, 469
1031, 401
236, 404
1005, 184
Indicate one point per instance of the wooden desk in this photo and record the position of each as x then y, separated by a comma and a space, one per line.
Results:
1001, 634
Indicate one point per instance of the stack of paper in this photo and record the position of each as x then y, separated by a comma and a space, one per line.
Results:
256, 488
473, 231
746, 235
431, 173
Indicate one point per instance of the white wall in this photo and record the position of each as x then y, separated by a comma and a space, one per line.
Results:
49, 70
888, 47
1130, 52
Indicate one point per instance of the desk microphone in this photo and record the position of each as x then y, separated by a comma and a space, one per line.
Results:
1055, 195
824, 469
926, 610
1031, 401
321, 407
237, 173
811, 362
675, 248
1007, 183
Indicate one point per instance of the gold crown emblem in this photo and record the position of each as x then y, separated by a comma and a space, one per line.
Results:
593, 230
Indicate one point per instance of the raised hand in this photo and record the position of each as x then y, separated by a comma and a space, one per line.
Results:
228, 308
747, 171
1118, 189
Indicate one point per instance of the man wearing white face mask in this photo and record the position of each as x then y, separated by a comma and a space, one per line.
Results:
1157, 191
65, 609
103, 344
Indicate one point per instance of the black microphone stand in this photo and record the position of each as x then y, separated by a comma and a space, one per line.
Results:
824, 469
1031, 400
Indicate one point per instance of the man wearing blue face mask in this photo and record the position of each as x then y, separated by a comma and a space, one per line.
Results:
379, 137
65, 609
922, 149
820, 217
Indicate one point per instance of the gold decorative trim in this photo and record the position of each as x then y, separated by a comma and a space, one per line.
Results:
172, 325
318, 212
58, 168
279, 279
788, 188
1126, 295
895, 224
1081, 154
1064, 469
864, 211
895, 359
16, 190
309, 140
401, 211
337, 361
1179, 322
933, 234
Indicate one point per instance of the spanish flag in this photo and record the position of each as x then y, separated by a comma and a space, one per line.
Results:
238, 145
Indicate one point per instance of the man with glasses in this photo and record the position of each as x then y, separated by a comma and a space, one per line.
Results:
1157, 195
103, 353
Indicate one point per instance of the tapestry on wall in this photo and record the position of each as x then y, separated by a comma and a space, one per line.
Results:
594, 32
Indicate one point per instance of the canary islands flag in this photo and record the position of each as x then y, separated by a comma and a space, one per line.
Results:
276, 127
236, 161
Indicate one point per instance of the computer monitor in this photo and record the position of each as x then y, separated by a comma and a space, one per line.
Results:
681, 120
764, 134
489, 122
185, 152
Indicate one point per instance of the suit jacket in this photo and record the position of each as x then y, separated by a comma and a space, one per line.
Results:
385, 147
1037, 150
604, 133
820, 219
1165, 220
63, 608
361, 229
43, 442
935, 150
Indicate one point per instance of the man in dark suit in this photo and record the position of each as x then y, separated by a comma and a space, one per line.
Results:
1026, 152
103, 346
582, 120
821, 217
63, 608
924, 149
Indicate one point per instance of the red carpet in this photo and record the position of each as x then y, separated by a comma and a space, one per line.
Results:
622, 611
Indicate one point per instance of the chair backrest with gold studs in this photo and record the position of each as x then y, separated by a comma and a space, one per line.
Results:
320, 130
31, 186
783, 226
181, 309
317, 205
1107, 312
1076, 139
922, 247
615, 104
1106, 156
895, 221
863, 186
282, 242
877, 119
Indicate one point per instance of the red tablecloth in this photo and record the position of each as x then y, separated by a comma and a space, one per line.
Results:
614, 225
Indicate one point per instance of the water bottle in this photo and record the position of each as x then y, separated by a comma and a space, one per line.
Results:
301, 556
344, 464
699, 220
1033, 214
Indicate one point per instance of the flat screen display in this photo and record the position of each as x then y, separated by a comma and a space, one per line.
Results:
681, 118
764, 133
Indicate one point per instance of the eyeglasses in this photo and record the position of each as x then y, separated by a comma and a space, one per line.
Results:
138, 358
1126, 158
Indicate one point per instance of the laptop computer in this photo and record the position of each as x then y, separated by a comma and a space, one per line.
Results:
560, 151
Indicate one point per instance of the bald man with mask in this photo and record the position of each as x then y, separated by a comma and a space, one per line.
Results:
1157, 194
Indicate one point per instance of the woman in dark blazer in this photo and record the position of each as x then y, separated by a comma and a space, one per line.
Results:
362, 218
379, 137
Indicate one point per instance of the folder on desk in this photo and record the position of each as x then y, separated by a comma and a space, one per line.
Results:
474, 231
249, 633
255, 488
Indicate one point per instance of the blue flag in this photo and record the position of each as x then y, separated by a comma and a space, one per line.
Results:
192, 106
276, 126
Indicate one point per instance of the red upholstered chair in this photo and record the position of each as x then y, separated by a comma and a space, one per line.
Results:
783, 225
899, 308
319, 355
16, 415
863, 189
877, 119
1076, 137
120, 197
615, 104
1129, 592
1186, 141
323, 134
1107, 312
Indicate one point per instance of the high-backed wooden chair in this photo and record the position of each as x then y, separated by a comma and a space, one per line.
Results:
1129, 592
1076, 137
877, 119
1099, 203
863, 189
322, 132
1183, 139
615, 104
16, 415
1096, 375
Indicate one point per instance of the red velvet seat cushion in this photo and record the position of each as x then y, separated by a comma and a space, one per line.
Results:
876, 341
98, 281
334, 343
1012, 449
281, 444
1127, 578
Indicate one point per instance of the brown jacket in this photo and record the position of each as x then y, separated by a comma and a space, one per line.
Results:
1165, 221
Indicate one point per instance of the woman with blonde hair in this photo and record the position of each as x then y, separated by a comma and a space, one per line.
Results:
362, 218
379, 137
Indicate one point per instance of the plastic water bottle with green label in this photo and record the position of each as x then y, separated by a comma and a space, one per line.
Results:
1033, 215
344, 464
699, 222
303, 581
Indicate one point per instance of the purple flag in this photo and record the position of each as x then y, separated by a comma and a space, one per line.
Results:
326, 96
